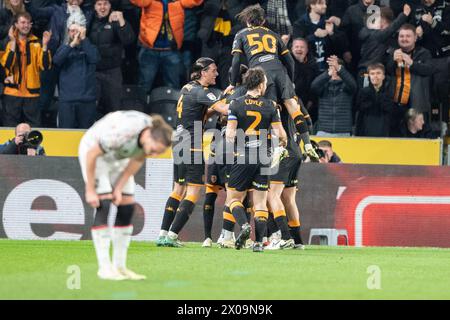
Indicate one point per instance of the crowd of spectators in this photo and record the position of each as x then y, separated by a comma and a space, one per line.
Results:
362, 67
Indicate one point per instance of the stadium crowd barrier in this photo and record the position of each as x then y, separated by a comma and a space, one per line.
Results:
379, 205
64, 143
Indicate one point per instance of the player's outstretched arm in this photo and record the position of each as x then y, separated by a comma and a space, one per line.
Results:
91, 158
130, 170
220, 107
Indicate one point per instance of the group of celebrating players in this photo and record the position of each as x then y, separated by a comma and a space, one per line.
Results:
260, 118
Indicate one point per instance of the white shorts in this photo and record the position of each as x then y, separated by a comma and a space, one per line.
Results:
107, 172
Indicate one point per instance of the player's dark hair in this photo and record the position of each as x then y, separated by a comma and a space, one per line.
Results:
243, 68
253, 78
202, 64
408, 26
160, 130
253, 15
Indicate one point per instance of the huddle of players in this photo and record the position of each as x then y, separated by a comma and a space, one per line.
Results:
249, 108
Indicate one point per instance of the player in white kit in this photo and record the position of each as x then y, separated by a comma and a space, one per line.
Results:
110, 153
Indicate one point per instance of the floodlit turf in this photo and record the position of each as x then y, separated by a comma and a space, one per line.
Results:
39, 270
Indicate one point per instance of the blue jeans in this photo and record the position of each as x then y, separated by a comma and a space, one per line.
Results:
151, 61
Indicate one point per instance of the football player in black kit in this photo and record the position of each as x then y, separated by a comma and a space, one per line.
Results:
250, 120
217, 169
264, 48
197, 102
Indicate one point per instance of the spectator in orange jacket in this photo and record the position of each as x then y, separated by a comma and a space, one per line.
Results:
161, 36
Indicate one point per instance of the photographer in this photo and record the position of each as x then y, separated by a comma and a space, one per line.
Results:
324, 150
23, 143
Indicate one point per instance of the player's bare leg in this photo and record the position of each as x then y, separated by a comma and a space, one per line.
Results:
279, 214
288, 198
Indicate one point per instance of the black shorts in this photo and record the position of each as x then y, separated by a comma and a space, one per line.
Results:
216, 175
248, 176
279, 85
287, 172
189, 173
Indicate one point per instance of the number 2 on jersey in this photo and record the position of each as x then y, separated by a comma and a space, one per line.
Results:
251, 130
262, 43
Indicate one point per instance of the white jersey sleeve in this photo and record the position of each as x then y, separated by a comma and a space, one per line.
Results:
118, 133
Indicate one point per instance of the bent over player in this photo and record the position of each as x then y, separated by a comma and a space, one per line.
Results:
110, 153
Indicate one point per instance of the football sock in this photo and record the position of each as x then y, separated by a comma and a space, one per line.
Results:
271, 225
282, 223
294, 229
121, 237
101, 238
183, 213
169, 212
260, 224
208, 213
238, 211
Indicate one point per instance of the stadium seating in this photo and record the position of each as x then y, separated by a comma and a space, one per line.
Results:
163, 101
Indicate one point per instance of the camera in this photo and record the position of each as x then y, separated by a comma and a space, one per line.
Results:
319, 151
32, 139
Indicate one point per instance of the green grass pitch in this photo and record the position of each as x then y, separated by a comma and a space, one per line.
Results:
39, 270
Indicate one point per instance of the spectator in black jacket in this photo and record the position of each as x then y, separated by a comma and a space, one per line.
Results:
335, 89
375, 105
377, 37
414, 126
77, 61
432, 19
17, 146
323, 37
306, 70
410, 67
109, 32
335, 8
353, 21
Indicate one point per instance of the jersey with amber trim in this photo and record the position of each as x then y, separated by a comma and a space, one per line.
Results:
194, 102
262, 47
254, 117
